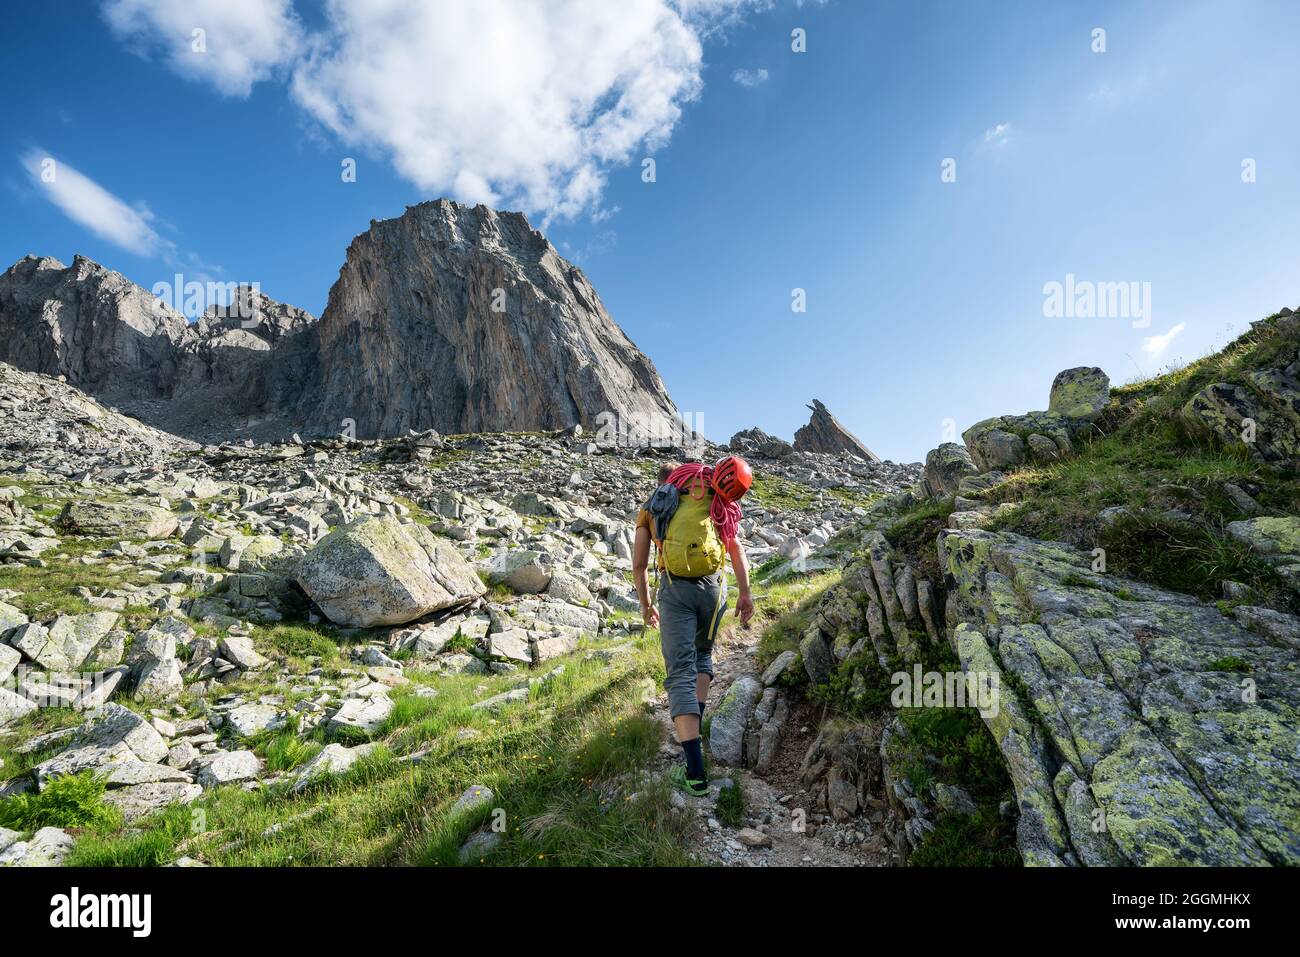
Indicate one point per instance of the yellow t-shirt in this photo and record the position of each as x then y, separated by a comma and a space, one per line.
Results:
645, 520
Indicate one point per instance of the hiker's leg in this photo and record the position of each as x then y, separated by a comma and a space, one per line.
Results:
711, 605
677, 626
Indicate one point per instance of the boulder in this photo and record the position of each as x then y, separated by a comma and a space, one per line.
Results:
523, 571
111, 735
118, 520
945, 467
13, 706
364, 714
731, 719
230, 768
67, 642
1079, 393
377, 571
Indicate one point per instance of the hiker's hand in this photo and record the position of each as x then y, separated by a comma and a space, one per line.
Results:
650, 615
745, 608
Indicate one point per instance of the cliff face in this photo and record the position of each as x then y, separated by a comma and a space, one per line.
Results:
463, 319
449, 317
93, 326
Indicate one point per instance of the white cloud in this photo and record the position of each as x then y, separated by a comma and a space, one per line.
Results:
523, 103
998, 135
504, 101
750, 78
1155, 345
244, 41
86, 202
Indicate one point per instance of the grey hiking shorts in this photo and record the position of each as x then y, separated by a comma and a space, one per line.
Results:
690, 613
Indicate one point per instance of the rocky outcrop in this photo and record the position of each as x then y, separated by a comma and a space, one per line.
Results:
1260, 414
449, 317
1139, 726
945, 467
758, 444
824, 433
118, 342
1005, 441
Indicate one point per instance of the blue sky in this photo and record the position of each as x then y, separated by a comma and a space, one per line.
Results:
925, 299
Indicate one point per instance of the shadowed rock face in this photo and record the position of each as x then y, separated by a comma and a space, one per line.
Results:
463, 319
449, 317
823, 433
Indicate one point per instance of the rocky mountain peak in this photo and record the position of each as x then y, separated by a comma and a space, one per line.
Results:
451, 317
824, 433
464, 319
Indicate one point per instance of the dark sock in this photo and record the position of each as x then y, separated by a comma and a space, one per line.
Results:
702, 704
694, 752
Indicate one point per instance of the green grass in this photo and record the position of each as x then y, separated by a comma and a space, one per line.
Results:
562, 767
730, 809
772, 491
69, 800
784, 609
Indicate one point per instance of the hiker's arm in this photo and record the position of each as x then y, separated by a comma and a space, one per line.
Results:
739, 565
640, 562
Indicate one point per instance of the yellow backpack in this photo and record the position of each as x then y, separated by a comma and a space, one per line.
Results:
692, 548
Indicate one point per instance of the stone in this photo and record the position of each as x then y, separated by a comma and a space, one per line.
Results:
731, 719
779, 666
129, 773
1122, 681
424, 641
824, 433
1079, 393
330, 760
238, 650
523, 571
945, 467
757, 443
475, 798
131, 520
110, 735
10, 618
140, 800
377, 571
48, 847
366, 714
478, 846
68, 641
817, 659
9, 658
992, 447
229, 768
509, 646
567, 588
250, 719
751, 837
13, 706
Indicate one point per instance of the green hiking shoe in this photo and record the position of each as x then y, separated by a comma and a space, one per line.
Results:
694, 788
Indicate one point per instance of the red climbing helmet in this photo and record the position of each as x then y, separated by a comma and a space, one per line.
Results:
732, 478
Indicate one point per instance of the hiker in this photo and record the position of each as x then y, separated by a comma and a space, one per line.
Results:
692, 518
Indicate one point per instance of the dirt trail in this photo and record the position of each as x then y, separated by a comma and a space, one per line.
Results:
775, 800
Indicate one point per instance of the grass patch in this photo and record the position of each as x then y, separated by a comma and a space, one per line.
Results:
561, 766
730, 809
69, 800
